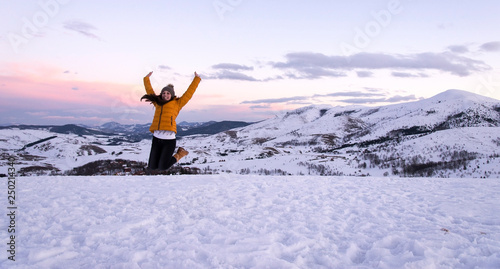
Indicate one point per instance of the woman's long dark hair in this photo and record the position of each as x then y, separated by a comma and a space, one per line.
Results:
154, 99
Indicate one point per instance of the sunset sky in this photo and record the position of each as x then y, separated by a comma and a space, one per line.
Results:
75, 61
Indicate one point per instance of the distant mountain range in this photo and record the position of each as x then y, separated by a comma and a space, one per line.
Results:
133, 132
453, 134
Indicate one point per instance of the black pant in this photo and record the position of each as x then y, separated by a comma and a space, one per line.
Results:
161, 153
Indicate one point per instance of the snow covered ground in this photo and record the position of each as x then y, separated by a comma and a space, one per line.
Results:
236, 221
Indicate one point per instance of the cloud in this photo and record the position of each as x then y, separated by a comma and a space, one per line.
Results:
314, 73
490, 46
276, 100
226, 74
164, 67
394, 99
229, 66
311, 65
364, 74
317, 65
408, 75
230, 71
399, 98
82, 28
458, 49
260, 107
357, 98
350, 94
37, 113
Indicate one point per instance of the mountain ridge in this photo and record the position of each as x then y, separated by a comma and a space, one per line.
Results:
401, 136
135, 132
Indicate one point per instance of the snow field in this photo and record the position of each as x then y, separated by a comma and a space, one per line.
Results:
235, 221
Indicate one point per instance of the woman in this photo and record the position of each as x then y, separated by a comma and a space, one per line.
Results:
164, 127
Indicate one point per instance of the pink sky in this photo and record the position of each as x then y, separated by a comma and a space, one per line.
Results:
50, 96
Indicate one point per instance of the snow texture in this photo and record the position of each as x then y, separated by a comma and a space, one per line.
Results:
236, 221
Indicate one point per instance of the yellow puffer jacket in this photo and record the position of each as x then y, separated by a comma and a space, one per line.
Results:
165, 115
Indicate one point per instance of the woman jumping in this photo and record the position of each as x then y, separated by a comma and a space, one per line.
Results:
164, 127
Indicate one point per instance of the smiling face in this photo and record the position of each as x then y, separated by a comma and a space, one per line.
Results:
165, 95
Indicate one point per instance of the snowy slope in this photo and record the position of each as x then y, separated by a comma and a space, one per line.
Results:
236, 221
337, 140
66, 151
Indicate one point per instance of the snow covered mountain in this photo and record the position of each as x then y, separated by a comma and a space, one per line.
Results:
453, 134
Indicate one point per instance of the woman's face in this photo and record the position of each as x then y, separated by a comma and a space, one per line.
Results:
166, 95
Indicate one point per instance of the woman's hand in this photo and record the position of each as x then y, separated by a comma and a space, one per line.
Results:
148, 75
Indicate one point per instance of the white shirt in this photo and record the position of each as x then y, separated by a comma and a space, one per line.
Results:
162, 134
